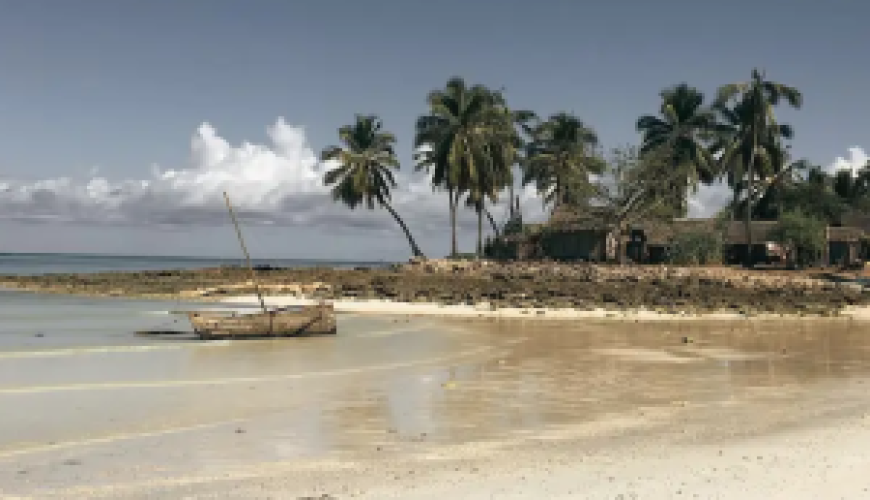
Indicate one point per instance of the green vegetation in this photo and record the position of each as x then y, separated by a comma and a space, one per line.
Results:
362, 172
680, 130
803, 235
696, 248
560, 158
752, 137
473, 144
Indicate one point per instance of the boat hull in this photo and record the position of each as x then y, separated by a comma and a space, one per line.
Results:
307, 321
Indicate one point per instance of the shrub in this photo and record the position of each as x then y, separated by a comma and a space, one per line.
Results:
803, 235
513, 225
696, 248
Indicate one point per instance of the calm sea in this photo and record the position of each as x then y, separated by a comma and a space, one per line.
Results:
45, 263
52, 324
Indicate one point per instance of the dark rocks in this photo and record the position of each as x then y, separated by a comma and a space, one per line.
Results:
522, 284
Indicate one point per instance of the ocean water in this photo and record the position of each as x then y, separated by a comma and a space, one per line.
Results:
47, 263
32, 322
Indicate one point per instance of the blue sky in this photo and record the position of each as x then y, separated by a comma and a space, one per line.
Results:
112, 88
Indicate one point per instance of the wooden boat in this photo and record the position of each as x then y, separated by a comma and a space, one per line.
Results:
317, 319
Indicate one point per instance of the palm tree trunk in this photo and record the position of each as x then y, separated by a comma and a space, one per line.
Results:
749, 185
414, 248
510, 205
492, 222
620, 246
452, 200
480, 230
735, 200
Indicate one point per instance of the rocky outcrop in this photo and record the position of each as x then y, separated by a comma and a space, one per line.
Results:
525, 284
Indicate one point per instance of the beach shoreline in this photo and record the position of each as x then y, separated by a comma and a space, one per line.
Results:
486, 289
768, 438
421, 401
485, 311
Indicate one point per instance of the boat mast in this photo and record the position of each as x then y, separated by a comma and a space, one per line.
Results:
245, 250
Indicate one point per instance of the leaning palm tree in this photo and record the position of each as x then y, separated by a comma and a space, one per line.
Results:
755, 99
560, 158
682, 128
453, 140
363, 172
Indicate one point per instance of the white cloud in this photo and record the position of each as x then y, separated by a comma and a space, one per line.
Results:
276, 183
708, 200
857, 159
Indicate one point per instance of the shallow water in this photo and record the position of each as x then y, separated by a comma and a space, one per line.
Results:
37, 322
88, 390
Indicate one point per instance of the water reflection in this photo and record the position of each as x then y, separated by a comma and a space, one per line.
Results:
393, 384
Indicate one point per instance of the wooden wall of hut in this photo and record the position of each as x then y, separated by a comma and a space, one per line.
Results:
582, 244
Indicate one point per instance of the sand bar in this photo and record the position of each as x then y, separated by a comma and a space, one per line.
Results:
484, 310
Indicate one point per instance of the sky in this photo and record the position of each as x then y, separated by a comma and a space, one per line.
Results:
123, 121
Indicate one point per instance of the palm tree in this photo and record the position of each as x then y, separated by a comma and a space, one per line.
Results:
490, 180
771, 159
758, 133
455, 140
559, 159
525, 122
852, 186
503, 151
363, 172
681, 129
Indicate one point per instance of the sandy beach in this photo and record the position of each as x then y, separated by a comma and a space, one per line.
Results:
428, 407
485, 310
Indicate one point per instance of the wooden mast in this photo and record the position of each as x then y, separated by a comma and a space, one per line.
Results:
247, 256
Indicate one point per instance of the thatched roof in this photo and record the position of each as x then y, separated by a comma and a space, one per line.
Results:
761, 232
662, 232
735, 231
566, 217
851, 234
856, 219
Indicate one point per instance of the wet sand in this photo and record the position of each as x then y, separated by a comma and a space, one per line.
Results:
432, 408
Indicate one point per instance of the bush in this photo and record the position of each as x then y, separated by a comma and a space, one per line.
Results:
513, 225
803, 235
696, 248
